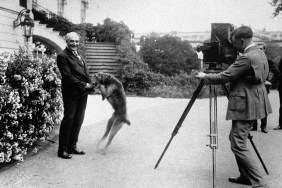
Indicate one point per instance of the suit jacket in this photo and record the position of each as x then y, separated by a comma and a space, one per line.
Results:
248, 99
274, 69
280, 77
75, 74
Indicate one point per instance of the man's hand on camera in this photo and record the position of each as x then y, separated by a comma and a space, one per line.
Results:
200, 75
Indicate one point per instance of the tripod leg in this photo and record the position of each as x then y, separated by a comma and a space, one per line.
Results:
250, 137
182, 118
213, 128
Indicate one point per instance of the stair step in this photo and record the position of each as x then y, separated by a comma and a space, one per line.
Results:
100, 43
103, 67
99, 64
103, 70
97, 48
36, 22
56, 32
102, 57
100, 60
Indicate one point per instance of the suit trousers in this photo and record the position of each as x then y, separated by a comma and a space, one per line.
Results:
74, 111
280, 108
245, 161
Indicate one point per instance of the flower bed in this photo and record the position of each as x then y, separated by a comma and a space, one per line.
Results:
30, 102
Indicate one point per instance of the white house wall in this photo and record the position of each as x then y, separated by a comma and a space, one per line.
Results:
51, 5
72, 10
11, 5
10, 38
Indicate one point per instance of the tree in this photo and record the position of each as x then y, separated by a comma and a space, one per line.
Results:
169, 55
273, 51
112, 31
277, 4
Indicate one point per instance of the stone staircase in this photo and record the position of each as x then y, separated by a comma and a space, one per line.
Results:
52, 38
102, 57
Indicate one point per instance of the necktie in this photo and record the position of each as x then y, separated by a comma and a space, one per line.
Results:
78, 56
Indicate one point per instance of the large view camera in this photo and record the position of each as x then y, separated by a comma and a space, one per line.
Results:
219, 50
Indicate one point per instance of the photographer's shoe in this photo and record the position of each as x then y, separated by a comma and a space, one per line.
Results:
240, 180
255, 126
278, 128
263, 129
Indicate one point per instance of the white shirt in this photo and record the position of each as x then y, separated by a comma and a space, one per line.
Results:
251, 45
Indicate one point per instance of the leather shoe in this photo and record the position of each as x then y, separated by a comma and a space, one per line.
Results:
64, 155
240, 180
264, 130
254, 129
76, 151
278, 128
255, 126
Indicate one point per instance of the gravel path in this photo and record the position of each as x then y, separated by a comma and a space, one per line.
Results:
135, 150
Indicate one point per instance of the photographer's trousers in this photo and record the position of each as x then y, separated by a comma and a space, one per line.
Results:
245, 160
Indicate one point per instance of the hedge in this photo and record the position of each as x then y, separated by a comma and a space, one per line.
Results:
30, 102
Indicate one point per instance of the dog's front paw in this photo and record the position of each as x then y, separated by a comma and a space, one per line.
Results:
103, 97
104, 152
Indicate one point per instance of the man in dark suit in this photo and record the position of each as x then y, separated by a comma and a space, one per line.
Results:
248, 101
274, 69
279, 127
75, 89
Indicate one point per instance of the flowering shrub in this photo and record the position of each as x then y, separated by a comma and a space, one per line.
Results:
30, 102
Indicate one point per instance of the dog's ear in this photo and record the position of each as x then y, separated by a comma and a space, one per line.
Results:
94, 79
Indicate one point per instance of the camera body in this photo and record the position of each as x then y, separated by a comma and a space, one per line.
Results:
219, 50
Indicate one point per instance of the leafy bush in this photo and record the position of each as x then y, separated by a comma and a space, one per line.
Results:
179, 86
30, 103
169, 55
111, 31
134, 73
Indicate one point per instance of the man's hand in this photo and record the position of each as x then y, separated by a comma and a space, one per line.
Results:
89, 86
200, 75
268, 83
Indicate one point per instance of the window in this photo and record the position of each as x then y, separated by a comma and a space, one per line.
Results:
23, 3
83, 11
34, 4
61, 7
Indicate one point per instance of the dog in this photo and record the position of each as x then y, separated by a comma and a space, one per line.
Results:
112, 90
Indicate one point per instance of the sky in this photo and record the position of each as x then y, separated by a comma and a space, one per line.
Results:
145, 16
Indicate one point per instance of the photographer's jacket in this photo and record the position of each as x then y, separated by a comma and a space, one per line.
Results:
74, 73
248, 99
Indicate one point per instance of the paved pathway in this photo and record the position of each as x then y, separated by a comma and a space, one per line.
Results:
135, 150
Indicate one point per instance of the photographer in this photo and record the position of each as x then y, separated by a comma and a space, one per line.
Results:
248, 100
